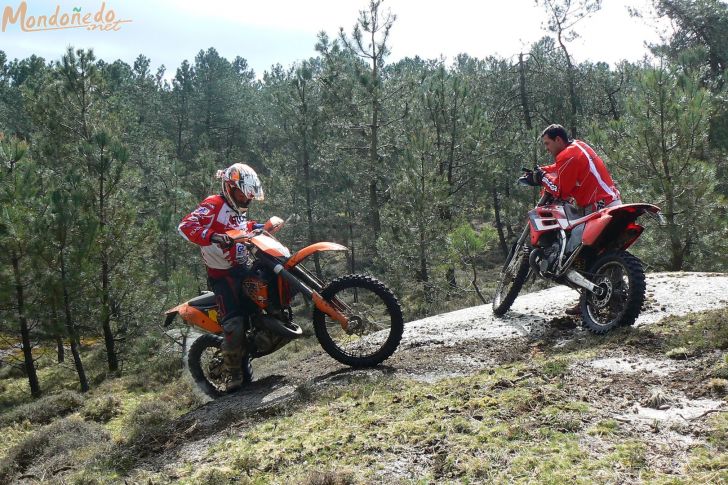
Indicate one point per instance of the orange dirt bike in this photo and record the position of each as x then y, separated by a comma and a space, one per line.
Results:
356, 318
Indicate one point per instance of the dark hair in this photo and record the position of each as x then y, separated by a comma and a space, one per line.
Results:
554, 131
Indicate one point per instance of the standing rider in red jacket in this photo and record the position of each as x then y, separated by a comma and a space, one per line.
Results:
577, 176
227, 262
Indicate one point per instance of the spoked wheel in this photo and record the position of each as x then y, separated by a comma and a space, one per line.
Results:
513, 275
206, 365
621, 277
375, 321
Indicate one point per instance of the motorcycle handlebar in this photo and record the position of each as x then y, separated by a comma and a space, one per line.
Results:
546, 197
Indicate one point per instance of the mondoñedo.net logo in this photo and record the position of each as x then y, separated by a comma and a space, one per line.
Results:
103, 19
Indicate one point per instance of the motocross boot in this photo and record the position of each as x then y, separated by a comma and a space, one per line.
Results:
574, 310
232, 352
232, 361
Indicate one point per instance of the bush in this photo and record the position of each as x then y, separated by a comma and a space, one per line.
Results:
45, 409
11, 372
52, 447
149, 427
148, 417
101, 409
718, 386
332, 477
183, 393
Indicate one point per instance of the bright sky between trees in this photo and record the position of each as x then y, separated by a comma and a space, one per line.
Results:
284, 31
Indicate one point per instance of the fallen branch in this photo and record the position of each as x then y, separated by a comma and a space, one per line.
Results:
711, 411
475, 285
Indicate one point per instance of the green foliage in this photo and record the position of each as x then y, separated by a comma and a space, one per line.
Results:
467, 244
665, 157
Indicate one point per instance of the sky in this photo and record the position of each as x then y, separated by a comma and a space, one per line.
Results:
284, 31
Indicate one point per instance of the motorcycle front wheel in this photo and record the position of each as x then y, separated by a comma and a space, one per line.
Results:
206, 365
375, 321
512, 277
622, 279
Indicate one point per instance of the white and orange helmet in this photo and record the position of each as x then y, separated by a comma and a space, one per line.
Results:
243, 178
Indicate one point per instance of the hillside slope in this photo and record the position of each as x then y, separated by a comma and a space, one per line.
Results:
465, 342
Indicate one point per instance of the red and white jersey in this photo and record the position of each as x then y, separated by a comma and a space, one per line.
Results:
578, 173
215, 216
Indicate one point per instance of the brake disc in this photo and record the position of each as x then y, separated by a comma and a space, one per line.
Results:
606, 286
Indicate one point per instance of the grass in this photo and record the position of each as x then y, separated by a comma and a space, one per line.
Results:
513, 423
695, 333
43, 410
470, 428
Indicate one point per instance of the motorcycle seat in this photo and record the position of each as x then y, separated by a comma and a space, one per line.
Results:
581, 219
572, 212
205, 300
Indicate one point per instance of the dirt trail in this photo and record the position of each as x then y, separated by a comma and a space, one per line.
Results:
465, 341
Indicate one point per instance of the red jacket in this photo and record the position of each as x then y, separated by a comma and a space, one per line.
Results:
215, 216
579, 173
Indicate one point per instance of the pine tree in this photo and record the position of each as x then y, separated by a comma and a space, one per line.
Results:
21, 204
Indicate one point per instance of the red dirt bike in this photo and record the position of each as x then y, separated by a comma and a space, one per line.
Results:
356, 318
587, 253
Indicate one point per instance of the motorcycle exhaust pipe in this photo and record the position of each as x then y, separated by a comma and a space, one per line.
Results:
318, 300
277, 327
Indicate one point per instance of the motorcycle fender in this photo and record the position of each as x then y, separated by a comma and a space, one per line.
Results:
535, 235
635, 209
594, 228
313, 249
630, 235
196, 317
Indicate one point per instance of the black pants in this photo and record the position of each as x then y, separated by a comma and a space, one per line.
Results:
232, 306
228, 294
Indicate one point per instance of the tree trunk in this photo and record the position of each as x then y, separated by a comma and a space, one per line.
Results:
572, 87
71, 329
524, 96
24, 330
105, 287
498, 223
422, 274
60, 350
374, 153
676, 247
305, 156
309, 212
677, 253
374, 217
350, 222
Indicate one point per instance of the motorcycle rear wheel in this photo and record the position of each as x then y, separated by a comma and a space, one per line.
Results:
205, 363
375, 321
513, 275
622, 276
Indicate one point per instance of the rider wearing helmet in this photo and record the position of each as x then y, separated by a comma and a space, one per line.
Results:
227, 262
